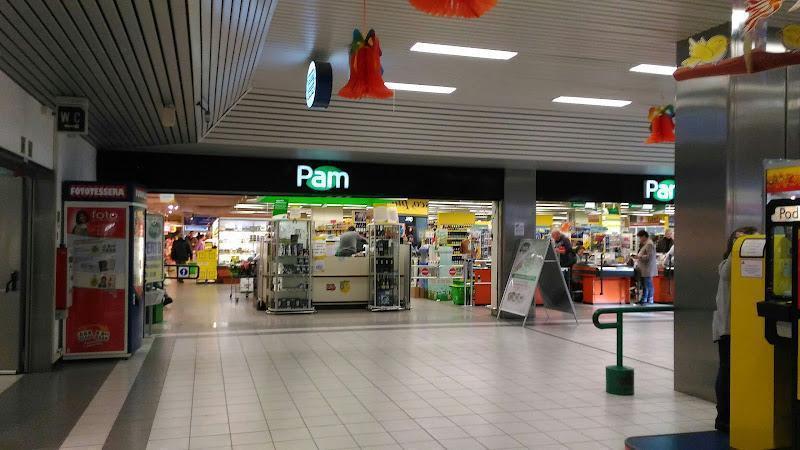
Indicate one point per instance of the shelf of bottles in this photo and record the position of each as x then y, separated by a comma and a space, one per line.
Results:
384, 254
290, 265
455, 235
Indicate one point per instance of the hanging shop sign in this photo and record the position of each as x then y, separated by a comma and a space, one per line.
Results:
464, 218
411, 207
324, 178
319, 85
279, 177
72, 115
663, 191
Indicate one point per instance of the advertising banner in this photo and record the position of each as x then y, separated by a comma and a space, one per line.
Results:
207, 261
154, 249
97, 239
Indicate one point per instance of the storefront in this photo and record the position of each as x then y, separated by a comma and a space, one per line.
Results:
602, 213
424, 214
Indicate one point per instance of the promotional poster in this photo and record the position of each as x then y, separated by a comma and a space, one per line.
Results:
97, 240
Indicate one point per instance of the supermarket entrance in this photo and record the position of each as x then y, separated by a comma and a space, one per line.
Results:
245, 245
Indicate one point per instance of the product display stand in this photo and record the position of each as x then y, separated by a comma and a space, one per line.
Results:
384, 254
290, 269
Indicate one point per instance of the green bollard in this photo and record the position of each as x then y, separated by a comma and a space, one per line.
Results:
619, 380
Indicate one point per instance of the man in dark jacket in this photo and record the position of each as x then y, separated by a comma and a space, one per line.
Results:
181, 251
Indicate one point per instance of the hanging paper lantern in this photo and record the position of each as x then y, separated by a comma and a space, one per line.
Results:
662, 125
366, 73
468, 9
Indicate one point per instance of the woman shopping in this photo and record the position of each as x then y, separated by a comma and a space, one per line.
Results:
647, 264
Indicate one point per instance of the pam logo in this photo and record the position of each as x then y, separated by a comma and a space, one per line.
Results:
322, 178
663, 191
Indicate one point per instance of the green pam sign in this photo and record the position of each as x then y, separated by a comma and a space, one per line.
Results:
322, 178
663, 191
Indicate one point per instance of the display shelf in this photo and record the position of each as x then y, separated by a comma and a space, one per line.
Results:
289, 277
384, 253
228, 233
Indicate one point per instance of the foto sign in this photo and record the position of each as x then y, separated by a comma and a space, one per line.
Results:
786, 214
319, 84
663, 191
324, 178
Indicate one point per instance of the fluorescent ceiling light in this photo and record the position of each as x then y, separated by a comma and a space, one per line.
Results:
592, 101
420, 88
469, 52
654, 69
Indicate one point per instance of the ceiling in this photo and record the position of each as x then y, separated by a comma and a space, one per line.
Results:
235, 71
501, 110
131, 59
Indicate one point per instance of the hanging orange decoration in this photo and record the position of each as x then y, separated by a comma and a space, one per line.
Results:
662, 124
366, 73
468, 9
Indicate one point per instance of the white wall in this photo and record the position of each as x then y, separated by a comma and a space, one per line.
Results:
22, 116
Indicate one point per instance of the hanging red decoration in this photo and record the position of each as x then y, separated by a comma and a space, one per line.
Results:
662, 125
366, 73
468, 9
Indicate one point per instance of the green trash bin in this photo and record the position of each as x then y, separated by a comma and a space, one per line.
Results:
457, 292
158, 313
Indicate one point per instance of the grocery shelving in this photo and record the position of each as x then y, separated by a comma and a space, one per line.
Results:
290, 254
384, 254
238, 239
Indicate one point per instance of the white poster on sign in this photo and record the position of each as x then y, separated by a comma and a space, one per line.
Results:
753, 248
519, 229
751, 268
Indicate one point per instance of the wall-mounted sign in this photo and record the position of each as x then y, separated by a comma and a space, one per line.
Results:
324, 178
786, 214
663, 191
319, 84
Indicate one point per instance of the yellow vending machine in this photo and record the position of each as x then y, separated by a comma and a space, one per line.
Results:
779, 311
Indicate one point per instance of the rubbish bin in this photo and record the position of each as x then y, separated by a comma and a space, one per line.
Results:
457, 292
158, 313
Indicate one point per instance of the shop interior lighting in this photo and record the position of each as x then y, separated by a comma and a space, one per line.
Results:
470, 52
254, 206
428, 89
654, 69
592, 101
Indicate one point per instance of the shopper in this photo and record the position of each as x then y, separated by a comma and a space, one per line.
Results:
647, 263
201, 243
666, 242
181, 251
350, 243
563, 247
721, 329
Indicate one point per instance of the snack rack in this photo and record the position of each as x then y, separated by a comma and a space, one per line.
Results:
290, 268
384, 254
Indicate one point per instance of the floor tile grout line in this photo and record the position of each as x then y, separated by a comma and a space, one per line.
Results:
252, 378
671, 369
285, 386
307, 330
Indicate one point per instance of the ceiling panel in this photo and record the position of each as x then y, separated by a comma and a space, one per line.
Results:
501, 109
131, 58
272, 119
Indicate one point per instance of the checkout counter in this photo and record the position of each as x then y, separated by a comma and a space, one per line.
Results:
341, 281
605, 281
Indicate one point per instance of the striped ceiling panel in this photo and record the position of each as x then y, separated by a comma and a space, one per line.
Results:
133, 58
272, 119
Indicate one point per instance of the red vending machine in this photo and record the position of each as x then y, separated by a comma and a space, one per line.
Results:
104, 229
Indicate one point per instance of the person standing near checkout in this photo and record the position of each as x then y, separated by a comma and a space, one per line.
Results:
566, 256
350, 243
181, 251
647, 263
721, 329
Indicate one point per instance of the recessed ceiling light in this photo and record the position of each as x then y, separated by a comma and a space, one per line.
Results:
654, 69
470, 52
420, 88
592, 101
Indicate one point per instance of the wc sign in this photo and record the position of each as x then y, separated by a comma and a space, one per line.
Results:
324, 178
663, 191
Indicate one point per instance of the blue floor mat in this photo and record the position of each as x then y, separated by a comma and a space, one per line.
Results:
706, 440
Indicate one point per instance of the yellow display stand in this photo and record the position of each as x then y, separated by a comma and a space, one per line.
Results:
756, 423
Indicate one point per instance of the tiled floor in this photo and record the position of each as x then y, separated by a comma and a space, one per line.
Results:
426, 387
439, 376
